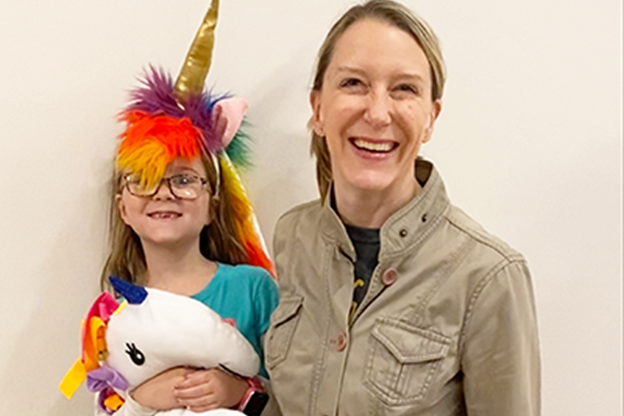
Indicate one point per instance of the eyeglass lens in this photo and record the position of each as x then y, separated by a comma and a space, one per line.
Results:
181, 186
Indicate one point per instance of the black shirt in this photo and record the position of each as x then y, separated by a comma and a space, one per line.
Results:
366, 243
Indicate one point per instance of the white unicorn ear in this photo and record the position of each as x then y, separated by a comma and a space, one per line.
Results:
227, 117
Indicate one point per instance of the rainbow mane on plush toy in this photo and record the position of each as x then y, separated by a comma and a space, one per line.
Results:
167, 120
125, 344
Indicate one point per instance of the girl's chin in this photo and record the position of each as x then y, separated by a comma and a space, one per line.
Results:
167, 240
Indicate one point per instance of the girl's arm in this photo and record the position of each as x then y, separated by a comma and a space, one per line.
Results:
205, 390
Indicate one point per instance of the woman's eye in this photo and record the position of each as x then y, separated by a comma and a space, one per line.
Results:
350, 82
407, 88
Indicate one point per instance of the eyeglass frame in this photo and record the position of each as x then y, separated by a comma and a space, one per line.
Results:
167, 180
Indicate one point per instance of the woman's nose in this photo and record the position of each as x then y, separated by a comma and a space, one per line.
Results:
378, 109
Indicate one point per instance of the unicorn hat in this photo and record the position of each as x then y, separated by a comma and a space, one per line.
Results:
166, 120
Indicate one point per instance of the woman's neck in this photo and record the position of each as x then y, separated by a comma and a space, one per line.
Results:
181, 270
371, 208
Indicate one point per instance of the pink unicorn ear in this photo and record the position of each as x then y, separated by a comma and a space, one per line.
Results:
103, 307
227, 117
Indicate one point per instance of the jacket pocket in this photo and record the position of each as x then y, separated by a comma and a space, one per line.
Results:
281, 330
403, 361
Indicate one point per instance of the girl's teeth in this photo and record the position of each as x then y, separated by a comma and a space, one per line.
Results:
373, 147
164, 215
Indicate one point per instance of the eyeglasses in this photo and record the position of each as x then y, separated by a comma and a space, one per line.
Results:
181, 186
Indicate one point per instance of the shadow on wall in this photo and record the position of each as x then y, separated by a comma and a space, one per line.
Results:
49, 342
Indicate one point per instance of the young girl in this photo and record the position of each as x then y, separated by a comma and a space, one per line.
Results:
178, 233
180, 222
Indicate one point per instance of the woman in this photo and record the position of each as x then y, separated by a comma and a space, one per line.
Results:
393, 301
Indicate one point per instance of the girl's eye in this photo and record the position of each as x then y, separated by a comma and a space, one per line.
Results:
133, 179
182, 180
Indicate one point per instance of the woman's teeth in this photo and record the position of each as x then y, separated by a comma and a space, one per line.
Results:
382, 147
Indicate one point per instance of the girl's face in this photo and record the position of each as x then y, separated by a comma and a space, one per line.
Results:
375, 108
163, 219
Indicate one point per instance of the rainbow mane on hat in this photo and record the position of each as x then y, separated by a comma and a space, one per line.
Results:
158, 129
166, 120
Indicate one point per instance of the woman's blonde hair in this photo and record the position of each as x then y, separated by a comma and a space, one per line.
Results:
397, 15
217, 240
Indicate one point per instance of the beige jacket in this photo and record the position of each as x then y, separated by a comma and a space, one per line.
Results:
447, 328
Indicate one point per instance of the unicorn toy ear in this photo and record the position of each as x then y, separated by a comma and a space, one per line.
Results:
134, 294
227, 117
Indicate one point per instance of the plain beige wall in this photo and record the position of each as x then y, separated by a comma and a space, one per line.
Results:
529, 143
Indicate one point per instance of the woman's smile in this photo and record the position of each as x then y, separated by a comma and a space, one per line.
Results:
373, 148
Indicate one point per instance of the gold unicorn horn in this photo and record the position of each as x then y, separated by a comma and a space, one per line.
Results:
197, 63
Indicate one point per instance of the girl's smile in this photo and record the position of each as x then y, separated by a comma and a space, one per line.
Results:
164, 215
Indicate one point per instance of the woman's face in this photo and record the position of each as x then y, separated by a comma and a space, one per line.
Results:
375, 108
163, 219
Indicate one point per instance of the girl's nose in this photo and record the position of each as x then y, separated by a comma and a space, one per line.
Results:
163, 192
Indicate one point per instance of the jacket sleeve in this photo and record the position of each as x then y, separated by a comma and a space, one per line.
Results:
500, 356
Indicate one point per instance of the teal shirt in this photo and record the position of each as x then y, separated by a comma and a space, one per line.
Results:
247, 295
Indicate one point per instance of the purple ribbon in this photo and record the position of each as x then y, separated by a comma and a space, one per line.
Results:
103, 380
103, 377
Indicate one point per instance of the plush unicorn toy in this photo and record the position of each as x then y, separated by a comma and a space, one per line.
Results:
152, 331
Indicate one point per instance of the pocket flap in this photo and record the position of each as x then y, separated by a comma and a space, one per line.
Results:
287, 308
410, 344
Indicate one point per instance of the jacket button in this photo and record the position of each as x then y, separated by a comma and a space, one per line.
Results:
341, 342
389, 277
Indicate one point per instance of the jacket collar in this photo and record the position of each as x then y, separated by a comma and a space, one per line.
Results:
409, 225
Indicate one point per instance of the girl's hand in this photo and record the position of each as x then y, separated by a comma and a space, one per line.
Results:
205, 390
158, 392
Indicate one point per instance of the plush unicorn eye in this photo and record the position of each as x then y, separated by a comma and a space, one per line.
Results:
135, 354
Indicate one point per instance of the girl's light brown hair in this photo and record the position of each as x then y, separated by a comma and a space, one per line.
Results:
217, 240
397, 15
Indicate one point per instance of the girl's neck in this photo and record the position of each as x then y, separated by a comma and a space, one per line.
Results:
371, 209
184, 271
